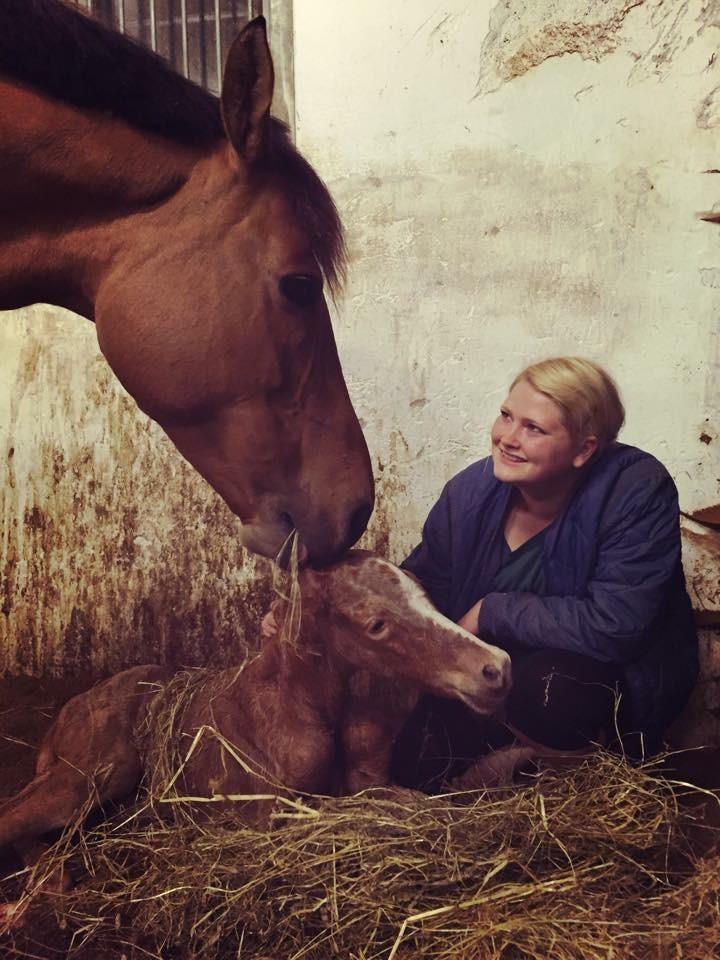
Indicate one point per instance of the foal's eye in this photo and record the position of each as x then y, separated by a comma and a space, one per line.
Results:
376, 626
301, 289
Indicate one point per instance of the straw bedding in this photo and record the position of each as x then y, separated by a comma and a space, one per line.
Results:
588, 863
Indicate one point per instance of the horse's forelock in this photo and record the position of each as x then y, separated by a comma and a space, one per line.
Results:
311, 203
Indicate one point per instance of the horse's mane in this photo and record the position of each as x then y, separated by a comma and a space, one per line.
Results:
68, 55
55, 48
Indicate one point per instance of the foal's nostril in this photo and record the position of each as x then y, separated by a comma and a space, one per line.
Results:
493, 676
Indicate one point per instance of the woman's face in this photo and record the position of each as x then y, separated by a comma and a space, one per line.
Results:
531, 446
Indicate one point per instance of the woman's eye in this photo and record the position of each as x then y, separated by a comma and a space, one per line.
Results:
301, 289
505, 415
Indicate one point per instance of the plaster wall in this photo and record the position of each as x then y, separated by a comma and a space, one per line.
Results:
517, 181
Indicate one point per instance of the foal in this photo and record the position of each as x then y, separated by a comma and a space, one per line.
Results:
300, 712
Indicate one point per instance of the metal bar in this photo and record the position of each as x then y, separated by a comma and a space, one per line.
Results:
121, 15
153, 26
218, 46
184, 38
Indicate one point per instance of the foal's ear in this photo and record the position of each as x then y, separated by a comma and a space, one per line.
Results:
247, 91
312, 582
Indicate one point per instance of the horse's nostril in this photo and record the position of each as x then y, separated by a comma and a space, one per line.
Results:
492, 675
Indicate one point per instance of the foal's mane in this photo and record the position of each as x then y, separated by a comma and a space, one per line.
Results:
67, 55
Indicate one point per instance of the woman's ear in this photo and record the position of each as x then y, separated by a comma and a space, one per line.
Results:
585, 451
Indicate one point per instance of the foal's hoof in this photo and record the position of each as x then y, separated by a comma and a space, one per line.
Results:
497, 769
393, 794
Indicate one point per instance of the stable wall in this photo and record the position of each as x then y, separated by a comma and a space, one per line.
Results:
517, 181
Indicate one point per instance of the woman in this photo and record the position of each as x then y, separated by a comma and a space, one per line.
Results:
562, 547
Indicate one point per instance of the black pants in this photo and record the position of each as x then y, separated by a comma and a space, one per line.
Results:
559, 699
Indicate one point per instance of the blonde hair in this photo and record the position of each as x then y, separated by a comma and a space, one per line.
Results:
587, 395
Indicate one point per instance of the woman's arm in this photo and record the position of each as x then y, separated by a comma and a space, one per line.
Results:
471, 620
638, 558
431, 560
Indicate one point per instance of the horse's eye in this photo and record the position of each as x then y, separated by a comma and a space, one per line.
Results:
301, 289
376, 627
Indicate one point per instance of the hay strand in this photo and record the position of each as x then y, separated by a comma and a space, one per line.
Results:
286, 585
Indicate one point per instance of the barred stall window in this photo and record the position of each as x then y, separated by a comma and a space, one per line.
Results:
195, 35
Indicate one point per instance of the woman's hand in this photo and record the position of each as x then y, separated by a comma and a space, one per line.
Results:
470, 620
270, 622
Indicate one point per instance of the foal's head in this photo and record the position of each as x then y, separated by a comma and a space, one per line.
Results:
380, 619
214, 317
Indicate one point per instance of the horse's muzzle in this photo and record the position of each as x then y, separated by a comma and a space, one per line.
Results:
325, 535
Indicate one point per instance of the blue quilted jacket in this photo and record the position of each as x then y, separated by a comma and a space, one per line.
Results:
614, 585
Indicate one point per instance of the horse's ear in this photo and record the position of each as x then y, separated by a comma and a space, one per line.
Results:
247, 91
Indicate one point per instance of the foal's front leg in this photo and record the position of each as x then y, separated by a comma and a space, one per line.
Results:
375, 713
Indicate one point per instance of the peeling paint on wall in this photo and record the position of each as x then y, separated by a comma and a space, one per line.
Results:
708, 112
522, 35
701, 562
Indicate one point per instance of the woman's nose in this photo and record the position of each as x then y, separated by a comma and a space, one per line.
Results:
510, 437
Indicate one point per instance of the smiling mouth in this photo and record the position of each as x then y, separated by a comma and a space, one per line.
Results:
511, 457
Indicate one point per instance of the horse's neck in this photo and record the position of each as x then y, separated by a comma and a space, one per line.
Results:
67, 174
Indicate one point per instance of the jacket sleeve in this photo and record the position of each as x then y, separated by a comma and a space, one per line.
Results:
431, 560
638, 556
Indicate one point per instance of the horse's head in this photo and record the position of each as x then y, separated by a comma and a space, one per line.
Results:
380, 619
213, 316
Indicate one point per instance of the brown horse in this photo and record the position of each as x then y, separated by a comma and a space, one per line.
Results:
300, 713
197, 239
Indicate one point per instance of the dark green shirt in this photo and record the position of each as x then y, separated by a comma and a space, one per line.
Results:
522, 569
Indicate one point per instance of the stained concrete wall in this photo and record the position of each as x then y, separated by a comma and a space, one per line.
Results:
112, 549
517, 180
